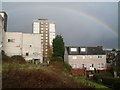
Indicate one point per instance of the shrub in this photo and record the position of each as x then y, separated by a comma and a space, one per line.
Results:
116, 84
68, 67
5, 58
57, 58
18, 59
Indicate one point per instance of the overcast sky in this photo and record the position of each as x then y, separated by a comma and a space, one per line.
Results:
80, 24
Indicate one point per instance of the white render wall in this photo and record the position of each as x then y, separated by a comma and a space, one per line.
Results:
51, 33
13, 48
23, 43
31, 45
87, 60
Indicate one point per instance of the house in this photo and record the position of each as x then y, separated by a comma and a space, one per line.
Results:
88, 58
23, 44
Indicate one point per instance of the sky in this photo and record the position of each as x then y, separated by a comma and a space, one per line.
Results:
80, 23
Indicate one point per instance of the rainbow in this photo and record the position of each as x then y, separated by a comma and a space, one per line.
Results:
93, 18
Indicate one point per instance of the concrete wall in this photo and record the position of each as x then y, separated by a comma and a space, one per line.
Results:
77, 61
31, 45
66, 56
51, 33
23, 44
13, 47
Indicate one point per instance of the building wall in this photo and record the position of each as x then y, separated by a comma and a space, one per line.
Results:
66, 56
51, 33
77, 61
13, 43
31, 45
27, 45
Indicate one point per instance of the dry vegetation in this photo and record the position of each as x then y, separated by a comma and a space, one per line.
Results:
26, 75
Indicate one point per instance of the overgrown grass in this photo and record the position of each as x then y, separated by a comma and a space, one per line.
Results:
92, 84
28, 75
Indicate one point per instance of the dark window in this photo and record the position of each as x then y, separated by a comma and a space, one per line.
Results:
92, 65
30, 45
11, 40
27, 54
99, 56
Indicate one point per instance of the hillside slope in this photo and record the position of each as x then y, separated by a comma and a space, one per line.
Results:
37, 76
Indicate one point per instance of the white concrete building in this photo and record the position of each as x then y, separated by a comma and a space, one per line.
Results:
26, 45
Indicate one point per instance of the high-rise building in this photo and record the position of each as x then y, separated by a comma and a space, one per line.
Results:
47, 30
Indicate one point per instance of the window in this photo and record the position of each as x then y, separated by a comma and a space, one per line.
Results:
41, 37
83, 65
74, 65
46, 29
46, 23
41, 34
46, 44
27, 54
83, 49
41, 28
83, 57
73, 49
74, 57
41, 25
101, 65
11, 40
41, 22
41, 31
99, 56
46, 40
46, 35
30, 45
46, 49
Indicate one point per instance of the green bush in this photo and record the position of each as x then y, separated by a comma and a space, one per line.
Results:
18, 59
108, 81
116, 84
57, 58
13, 59
68, 67
5, 58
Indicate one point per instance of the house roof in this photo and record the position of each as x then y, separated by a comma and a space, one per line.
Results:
85, 50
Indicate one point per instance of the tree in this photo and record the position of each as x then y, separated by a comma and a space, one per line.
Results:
58, 46
114, 49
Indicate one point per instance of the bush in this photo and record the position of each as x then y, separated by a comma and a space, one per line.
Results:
116, 84
18, 59
108, 81
13, 59
68, 67
5, 58
57, 59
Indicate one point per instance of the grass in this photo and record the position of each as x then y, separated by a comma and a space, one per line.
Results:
86, 82
36, 76
56, 75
